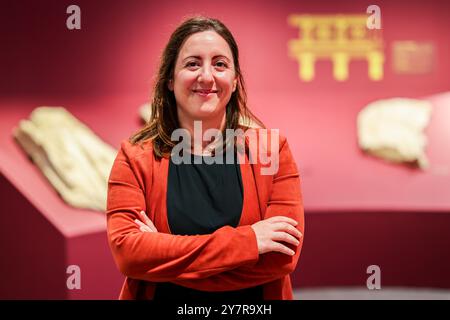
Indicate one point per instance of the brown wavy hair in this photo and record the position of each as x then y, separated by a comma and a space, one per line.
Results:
164, 119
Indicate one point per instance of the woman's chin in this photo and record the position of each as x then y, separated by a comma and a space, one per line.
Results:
207, 111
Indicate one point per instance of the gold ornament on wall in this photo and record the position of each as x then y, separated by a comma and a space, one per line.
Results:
340, 38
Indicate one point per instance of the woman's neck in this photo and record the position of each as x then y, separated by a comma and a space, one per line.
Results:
198, 145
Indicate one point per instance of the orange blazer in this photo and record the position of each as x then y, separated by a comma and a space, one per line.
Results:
227, 259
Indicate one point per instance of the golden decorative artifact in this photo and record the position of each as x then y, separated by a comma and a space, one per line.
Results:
339, 38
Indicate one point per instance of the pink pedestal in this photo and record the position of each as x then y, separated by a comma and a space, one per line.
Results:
40, 235
362, 211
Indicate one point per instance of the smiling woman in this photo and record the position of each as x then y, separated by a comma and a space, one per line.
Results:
203, 231
204, 79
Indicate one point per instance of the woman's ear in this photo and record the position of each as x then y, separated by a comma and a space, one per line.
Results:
170, 85
234, 84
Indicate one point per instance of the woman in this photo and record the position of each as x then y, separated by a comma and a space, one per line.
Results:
202, 231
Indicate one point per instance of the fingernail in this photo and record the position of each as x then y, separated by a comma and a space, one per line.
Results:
292, 253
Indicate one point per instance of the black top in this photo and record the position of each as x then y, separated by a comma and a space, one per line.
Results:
202, 198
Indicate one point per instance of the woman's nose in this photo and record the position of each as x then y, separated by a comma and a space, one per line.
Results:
205, 75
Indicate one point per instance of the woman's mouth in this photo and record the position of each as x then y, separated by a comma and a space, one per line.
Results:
205, 93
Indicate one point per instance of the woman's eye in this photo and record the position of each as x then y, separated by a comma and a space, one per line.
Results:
191, 64
221, 64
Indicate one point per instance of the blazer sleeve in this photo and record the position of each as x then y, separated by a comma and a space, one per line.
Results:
160, 256
285, 199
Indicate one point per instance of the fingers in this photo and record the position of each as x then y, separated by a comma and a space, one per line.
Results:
286, 227
283, 219
278, 247
142, 226
147, 221
285, 237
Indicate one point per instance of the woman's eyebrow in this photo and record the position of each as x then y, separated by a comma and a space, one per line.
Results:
190, 57
200, 58
221, 56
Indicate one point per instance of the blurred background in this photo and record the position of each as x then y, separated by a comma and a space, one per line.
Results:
360, 211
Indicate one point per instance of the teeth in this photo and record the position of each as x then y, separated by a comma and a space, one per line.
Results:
205, 92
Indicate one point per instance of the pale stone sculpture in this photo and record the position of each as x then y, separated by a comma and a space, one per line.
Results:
393, 129
75, 161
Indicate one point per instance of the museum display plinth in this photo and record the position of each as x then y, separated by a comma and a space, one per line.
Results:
41, 236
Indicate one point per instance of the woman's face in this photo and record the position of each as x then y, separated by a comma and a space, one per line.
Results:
204, 77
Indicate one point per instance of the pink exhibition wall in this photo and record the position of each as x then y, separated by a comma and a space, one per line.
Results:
359, 210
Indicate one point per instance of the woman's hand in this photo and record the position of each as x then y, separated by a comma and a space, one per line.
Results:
147, 225
271, 231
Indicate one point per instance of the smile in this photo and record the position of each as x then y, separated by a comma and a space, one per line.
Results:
205, 93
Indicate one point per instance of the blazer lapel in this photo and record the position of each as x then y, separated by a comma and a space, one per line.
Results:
158, 195
250, 208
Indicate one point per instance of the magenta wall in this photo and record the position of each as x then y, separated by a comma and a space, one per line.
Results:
116, 50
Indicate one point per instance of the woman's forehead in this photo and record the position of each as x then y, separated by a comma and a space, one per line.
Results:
206, 43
